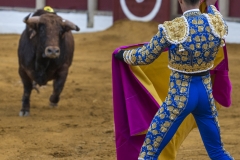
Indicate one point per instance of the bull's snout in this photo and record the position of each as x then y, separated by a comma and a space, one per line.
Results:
52, 51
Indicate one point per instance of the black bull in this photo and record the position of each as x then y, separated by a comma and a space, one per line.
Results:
45, 53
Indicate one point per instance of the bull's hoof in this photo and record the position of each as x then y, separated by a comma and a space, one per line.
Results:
24, 113
53, 105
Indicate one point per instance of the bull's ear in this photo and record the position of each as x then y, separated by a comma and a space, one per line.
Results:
70, 26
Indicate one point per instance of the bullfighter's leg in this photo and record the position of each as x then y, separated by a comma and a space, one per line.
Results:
206, 117
27, 85
58, 85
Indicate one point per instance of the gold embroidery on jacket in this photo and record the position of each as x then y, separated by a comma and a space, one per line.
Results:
188, 68
217, 23
176, 29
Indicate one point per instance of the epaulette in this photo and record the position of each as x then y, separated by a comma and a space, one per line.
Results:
217, 24
176, 31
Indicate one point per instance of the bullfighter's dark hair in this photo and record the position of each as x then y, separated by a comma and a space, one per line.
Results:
191, 2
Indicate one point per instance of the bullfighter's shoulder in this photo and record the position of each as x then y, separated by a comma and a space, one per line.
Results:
176, 31
216, 22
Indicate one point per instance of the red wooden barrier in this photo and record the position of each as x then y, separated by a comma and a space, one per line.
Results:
69, 4
18, 3
103, 5
234, 8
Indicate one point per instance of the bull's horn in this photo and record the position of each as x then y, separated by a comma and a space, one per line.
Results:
71, 25
32, 20
26, 18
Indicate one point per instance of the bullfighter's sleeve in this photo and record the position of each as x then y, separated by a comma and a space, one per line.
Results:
148, 52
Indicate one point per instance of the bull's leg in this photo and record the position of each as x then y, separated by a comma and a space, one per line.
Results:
58, 85
27, 86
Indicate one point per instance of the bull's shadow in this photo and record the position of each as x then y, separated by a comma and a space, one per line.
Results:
45, 53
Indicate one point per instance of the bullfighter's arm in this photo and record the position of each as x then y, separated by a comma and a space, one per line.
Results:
147, 53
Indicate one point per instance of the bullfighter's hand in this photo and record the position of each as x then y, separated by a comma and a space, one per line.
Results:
119, 55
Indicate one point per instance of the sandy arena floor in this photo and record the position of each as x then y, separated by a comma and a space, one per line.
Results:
82, 125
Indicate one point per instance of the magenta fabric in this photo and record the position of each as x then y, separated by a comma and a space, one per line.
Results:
139, 105
222, 87
133, 108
